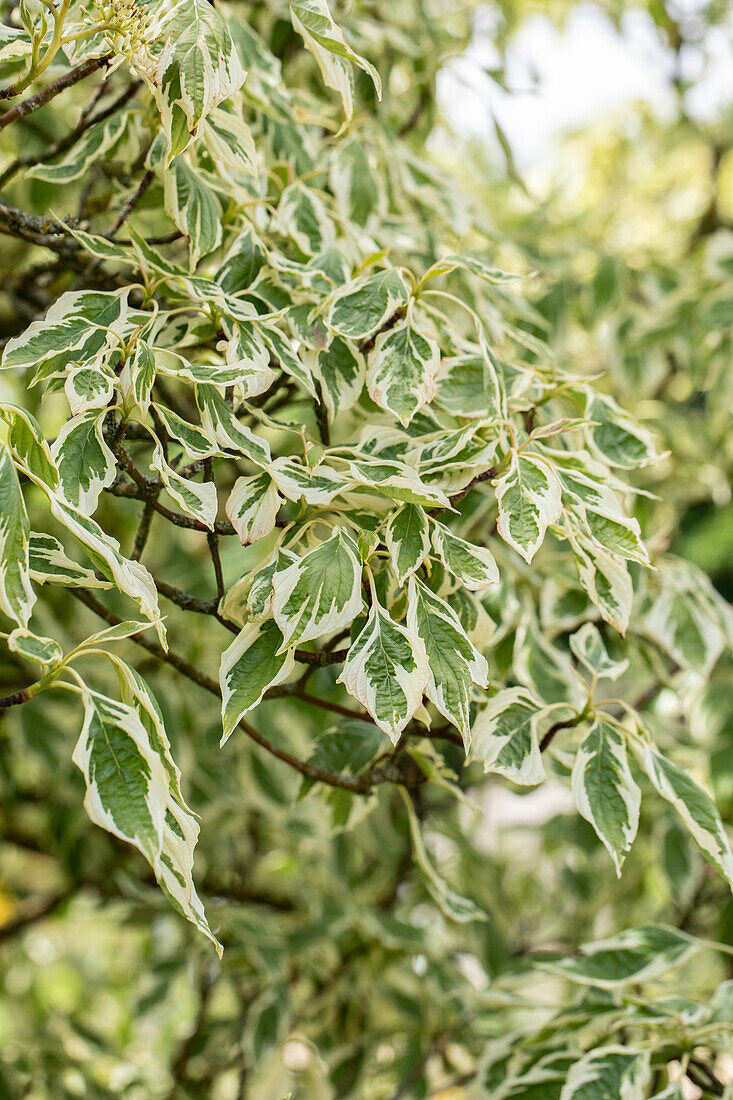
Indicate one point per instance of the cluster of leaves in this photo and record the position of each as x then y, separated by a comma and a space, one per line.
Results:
265, 311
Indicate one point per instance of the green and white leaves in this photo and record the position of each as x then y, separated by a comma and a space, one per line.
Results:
16, 592
387, 670
252, 507
190, 64
694, 805
530, 499
85, 463
633, 956
401, 371
129, 794
321, 592
473, 566
505, 738
363, 306
604, 789
252, 664
408, 540
455, 663
612, 1071
194, 208
325, 40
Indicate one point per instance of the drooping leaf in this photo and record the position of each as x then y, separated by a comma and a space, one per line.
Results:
321, 592
325, 40
474, 566
504, 736
455, 664
85, 463
387, 670
252, 507
604, 789
529, 496
251, 664
16, 591
407, 537
129, 794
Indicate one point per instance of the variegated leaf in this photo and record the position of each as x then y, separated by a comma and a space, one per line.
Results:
196, 498
85, 463
190, 64
341, 370
252, 507
504, 736
32, 647
606, 580
612, 1071
456, 666
587, 645
529, 496
363, 306
253, 663
692, 802
325, 40
604, 789
129, 794
320, 593
16, 591
91, 146
472, 565
401, 371
408, 539
50, 564
193, 207
387, 671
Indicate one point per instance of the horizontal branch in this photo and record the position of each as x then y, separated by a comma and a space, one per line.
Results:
40, 99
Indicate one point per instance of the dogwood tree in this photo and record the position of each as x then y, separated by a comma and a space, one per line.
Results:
279, 419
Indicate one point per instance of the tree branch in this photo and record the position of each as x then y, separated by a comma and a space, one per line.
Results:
40, 99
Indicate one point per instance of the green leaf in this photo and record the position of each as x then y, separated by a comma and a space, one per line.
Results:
193, 207
320, 593
252, 664
50, 564
252, 507
242, 264
604, 789
325, 40
616, 437
401, 371
302, 216
85, 463
407, 537
341, 371
504, 736
219, 422
194, 441
229, 142
472, 565
387, 671
455, 663
634, 955
43, 651
588, 646
129, 794
452, 905
91, 146
16, 592
608, 1073
606, 580
354, 183
363, 306
694, 805
190, 64
196, 498
620, 535
529, 496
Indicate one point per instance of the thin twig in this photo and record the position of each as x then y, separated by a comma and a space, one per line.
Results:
40, 99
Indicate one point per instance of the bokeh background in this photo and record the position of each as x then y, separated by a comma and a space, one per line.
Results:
594, 144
